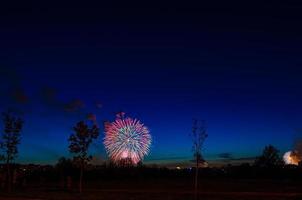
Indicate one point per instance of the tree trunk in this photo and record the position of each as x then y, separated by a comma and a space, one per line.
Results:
62, 183
81, 177
196, 179
9, 179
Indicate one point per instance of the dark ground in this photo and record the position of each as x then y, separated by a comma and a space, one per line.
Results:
227, 189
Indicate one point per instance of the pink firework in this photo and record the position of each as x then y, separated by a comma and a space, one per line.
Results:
126, 138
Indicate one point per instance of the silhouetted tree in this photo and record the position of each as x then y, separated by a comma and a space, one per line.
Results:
9, 142
199, 134
80, 141
140, 164
270, 158
300, 164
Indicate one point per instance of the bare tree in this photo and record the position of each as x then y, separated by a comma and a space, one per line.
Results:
80, 141
199, 134
9, 142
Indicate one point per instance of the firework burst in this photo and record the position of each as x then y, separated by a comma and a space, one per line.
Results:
126, 138
291, 158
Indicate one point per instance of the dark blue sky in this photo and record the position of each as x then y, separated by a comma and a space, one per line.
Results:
236, 66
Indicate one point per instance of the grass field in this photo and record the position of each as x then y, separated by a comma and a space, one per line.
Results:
168, 189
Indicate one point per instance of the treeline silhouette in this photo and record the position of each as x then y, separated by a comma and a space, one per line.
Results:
65, 175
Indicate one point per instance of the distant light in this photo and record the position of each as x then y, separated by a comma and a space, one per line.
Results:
178, 167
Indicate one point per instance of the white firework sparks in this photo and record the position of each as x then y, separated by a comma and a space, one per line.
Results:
127, 139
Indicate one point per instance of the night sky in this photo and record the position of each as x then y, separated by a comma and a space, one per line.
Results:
237, 66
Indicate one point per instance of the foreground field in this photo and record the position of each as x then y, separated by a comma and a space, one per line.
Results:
168, 189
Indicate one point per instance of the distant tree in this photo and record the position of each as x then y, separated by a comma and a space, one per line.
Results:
9, 142
79, 143
300, 164
140, 164
270, 158
199, 135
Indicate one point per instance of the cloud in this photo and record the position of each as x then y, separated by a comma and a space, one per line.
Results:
11, 89
74, 105
50, 98
244, 158
92, 117
225, 156
228, 157
19, 96
98, 105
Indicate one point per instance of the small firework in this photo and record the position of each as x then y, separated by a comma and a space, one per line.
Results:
126, 139
291, 158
